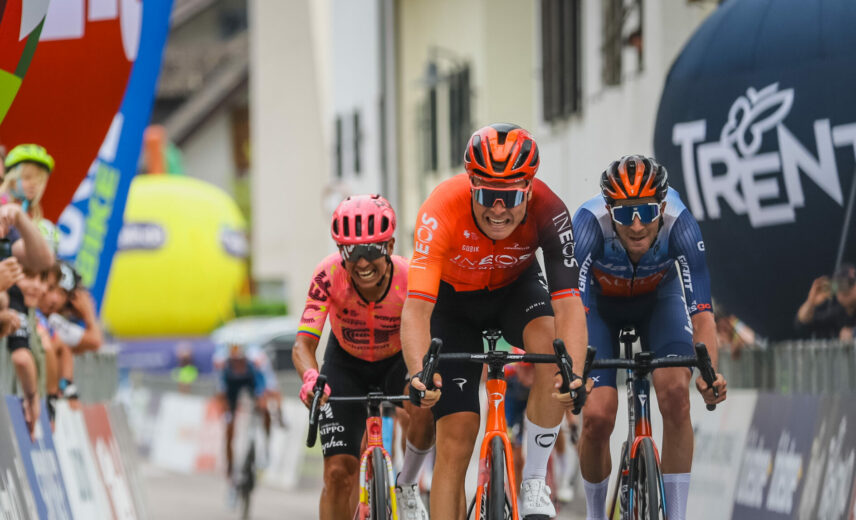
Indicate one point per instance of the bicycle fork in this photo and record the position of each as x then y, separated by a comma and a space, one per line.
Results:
374, 429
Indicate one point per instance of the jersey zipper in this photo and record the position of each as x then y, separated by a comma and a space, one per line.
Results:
370, 321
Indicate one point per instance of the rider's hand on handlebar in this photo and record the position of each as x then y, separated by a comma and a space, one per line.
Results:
430, 397
707, 393
307, 391
565, 398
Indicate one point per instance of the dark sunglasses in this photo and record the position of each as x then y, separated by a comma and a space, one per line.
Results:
371, 252
624, 215
510, 197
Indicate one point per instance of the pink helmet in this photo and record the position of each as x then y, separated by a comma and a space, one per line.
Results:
363, 219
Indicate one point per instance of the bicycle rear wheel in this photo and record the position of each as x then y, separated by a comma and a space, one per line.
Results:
248, 481
496, 501
379, 487
648, 502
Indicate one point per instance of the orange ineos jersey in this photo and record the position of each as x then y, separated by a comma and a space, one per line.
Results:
449, 246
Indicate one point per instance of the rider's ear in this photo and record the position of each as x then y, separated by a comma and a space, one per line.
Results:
390, 246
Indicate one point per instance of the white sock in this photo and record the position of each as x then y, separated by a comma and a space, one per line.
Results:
413, 458
677, 489
596, 499
539, 444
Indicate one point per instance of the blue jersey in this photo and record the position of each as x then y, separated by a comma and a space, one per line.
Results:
606, 269
232, 381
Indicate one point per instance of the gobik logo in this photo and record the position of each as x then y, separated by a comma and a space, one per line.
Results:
764, 186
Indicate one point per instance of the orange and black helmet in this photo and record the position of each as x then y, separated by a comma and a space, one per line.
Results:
634, 177
502, 152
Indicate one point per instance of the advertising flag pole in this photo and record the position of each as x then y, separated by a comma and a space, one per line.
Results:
846, 228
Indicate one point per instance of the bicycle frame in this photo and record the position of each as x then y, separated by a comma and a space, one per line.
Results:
374, 441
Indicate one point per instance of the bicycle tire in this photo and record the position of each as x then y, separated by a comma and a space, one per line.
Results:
248, 481
496, 490
647, 483
379, 487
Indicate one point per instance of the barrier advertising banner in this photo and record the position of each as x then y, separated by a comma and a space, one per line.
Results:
40, 462
178, 430
86, 493
829, 478
128, 451
287, 446
720, 436
109, 461
775, 457
757, 128
16, 499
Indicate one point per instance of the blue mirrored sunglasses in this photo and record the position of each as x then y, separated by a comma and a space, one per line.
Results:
624, 215
510, 197
371, 252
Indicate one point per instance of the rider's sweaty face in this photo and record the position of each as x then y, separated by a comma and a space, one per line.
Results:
637, 238
497, 221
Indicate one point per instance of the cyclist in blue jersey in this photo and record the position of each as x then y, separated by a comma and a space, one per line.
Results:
642, 263
237, 373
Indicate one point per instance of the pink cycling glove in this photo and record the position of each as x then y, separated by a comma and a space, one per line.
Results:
309, 378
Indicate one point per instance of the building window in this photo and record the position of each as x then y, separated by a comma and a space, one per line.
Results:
560, 57
460, 125
622, 30
428, 131
358, 141
338, 150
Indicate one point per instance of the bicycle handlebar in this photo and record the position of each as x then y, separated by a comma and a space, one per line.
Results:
368, 397
315, 409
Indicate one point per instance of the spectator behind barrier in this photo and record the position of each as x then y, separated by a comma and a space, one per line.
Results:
823, 316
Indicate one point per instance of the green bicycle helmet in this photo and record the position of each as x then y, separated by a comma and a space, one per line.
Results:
30, 153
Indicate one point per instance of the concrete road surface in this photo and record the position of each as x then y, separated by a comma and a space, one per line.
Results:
188, 497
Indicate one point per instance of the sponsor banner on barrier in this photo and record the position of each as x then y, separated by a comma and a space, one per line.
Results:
829, 478
211, 438
109, 461
40, 462
720, 436
775, 457
16, 499
287, 446
180, 426
128, 452
86, 493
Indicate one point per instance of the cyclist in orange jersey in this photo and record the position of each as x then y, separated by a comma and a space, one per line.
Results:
473, 268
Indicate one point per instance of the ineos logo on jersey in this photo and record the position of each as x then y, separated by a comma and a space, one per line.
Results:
562, 221
489, 261
747, 185
424, 236
545, 440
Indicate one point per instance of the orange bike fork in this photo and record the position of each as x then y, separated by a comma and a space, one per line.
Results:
495, 426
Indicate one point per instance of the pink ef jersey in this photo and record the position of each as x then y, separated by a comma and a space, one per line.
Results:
367, 330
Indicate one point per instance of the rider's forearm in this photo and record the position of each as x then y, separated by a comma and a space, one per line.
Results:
415, 332
25, 370
704, 331
32, 250
303, 354
571, 329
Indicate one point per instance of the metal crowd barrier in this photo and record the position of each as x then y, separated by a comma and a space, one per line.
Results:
96, 376
794, 367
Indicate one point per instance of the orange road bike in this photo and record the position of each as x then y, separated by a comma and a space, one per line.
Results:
377, 480
496, 496
639, 493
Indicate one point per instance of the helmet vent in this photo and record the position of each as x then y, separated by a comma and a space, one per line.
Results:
524, 153
347, 226
534, 160
384, 224
358, 226
477, 153
336, 226
371, 225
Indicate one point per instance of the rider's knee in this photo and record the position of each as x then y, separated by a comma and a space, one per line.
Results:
338, 476
674, 401
598, 421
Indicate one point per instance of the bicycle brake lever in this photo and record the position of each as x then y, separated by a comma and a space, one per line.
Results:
563, 360
315, 410
705, 367
429, 364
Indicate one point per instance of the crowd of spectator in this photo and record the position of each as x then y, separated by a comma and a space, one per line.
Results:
46, 315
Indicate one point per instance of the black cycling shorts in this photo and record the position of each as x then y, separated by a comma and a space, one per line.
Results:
342, 425
459, 319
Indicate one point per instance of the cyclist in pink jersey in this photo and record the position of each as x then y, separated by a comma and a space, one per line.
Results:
362, 288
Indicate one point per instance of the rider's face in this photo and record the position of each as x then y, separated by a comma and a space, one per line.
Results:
497, 221
366, 274
637, 238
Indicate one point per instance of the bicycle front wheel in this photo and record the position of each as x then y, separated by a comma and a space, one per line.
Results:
379, 487
648, 502
496, 492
